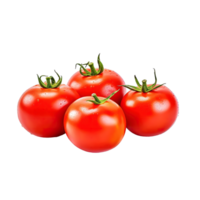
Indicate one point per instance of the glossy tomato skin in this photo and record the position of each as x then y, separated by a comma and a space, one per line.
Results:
151, 113
41, 111
94, 128
102, 85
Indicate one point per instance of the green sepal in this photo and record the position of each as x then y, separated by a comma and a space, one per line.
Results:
97, 101
136, 80
130, 87
93, 71
51, 83
143, 88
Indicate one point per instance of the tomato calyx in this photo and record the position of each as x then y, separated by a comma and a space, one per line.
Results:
93, 71
97, 101
50, 81
143, 88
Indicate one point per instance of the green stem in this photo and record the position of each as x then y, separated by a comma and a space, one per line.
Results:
93, 70
96, 98
48, 79
144, 86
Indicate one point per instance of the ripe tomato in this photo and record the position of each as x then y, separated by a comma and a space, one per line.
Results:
41, 108
95, 126
149, 110
103, 82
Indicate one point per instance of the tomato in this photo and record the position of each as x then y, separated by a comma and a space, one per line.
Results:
41, 108
101, 81
149, 109
95, 126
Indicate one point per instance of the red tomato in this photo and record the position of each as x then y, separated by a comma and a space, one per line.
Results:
41, 110
149, 113
101, 81
94, 128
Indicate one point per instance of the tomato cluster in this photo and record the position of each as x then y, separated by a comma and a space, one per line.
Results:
93, 109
